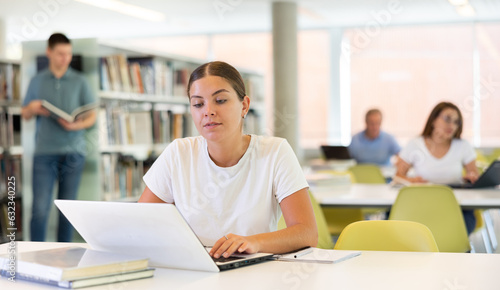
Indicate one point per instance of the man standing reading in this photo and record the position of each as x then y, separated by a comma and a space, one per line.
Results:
60, 146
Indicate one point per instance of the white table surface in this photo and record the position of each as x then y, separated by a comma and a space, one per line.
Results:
370, 270
384, 195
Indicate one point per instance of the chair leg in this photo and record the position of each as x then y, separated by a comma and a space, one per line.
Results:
472, 249
486, 241
488, 221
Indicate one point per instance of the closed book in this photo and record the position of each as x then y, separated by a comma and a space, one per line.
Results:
72, 263
315, 255
87, 282
78, 113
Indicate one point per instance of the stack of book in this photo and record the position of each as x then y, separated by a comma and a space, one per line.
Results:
74, 267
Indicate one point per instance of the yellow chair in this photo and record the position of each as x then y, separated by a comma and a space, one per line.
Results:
384, 235
367, 173
482, 161
436, 207
494, 155
371, 174
324, 238
337, 218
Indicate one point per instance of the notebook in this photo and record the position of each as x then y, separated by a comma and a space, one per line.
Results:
154, 230
335, 152
489, 178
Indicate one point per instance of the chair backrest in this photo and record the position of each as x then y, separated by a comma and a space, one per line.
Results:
436, 207
324, 238
367, 173
385, 235
494, 155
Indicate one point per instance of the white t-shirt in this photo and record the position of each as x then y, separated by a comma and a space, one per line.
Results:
444, 170
242, 199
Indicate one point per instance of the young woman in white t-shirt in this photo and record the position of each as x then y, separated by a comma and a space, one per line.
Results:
232, 187
439, 155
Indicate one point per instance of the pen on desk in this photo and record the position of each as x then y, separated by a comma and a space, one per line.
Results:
303, 252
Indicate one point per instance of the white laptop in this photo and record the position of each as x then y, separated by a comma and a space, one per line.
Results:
154, 230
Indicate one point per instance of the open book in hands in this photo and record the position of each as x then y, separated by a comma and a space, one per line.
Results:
78, 113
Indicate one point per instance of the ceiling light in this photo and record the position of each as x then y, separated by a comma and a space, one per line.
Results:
466, 10
127, 9
458, 2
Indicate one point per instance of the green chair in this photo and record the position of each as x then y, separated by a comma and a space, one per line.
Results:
339, 217
371, 174
436, 207
324, 238
494, 155
367, 173
482, 161
384, 235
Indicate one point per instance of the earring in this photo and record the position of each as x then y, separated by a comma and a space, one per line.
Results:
244, 116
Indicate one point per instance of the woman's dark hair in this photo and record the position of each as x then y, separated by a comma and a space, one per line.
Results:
219, 69
57, 38
429, 127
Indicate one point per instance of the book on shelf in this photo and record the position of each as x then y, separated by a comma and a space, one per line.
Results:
181, 78
72, 263
76, 114
142, 72
9, 82
4, 128
141, 75
122, 176
113, 74
140, 128
87, 282
119, 125
124, 72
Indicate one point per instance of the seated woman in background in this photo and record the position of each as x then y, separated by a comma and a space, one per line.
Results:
231, 187
439, 155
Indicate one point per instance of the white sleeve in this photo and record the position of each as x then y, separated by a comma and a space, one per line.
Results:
288, 177
409, 152
158, 178
468, 153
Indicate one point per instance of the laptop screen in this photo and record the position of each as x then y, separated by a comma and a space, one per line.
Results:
335, 152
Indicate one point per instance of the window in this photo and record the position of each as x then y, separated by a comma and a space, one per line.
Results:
488, 45
406, 71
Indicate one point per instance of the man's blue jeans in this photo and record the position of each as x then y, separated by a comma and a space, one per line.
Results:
67, 169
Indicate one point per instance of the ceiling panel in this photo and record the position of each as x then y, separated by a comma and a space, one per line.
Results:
37, 19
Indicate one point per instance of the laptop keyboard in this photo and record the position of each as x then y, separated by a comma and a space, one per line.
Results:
228, 259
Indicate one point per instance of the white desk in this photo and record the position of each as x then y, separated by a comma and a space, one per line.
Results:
371, 270
383, 195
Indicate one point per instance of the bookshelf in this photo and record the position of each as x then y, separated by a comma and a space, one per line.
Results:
143, 107
10, 151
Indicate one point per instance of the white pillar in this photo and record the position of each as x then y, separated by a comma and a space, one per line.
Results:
339, 105
3, 39
476, 85
286, 117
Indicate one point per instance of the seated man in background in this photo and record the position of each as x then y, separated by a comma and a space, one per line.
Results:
373, 145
